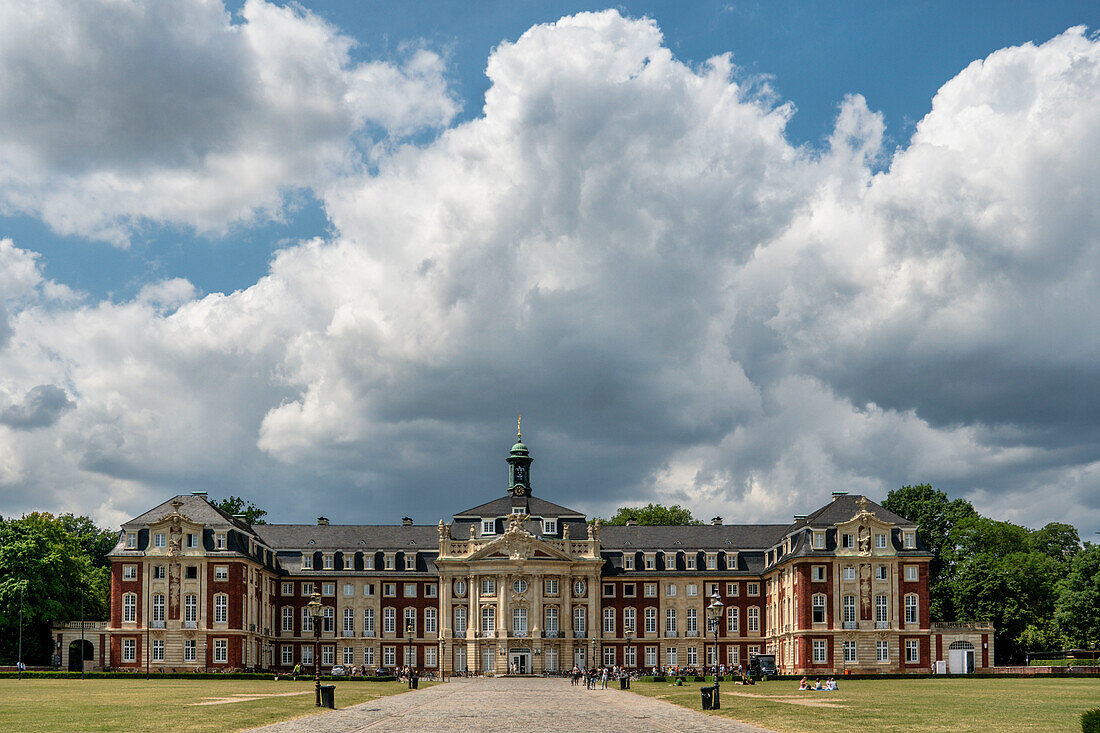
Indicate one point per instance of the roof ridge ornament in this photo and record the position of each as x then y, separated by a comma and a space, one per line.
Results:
519, 422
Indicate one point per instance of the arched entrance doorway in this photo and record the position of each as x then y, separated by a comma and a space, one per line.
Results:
75, 656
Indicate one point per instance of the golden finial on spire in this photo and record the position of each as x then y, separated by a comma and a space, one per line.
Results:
519, 421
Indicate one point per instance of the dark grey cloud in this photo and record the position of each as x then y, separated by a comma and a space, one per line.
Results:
41, 407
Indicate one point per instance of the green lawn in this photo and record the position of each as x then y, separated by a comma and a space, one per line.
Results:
50, 705
902, 705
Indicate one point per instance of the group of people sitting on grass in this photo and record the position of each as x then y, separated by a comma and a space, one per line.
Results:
828, 685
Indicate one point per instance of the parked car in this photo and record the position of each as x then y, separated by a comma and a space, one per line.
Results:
762, 665
339, 671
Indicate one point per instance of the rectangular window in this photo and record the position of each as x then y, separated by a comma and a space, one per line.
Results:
349, 655
881, 572
819, 540
882, 651
129, 650
580, 620
328, 615
349, 589
389, 620
849, 609
912, 573
689, 561
286, 655
219, 541
650, 590
519, 622
368, 656
753, 589
651, 656
307, 654
733, 619
692, 589
368, 561
190, 608
609, 621
129, 607
488, 620
389, 561
307, 562
307, 620
410, 561
158, 607
629, 590
650, 562
910, 540
158, 650
221, 572
550, 620
550, 587
692, 620
389, 590
712, 561
192, 541
389, 656
307, 589
191, 572
651, 620
882, 610
670, 560
670, 656
549, 526
430, 626
430, 590
288, 618
129, 572
628, 561
849, 651
189, 647
429, 656
847, 541
349, 621
131, 540
488, 586
880, 541
817, 573
819, 651
328, 655
631, 656
221, 608
609, 656
408, 590
368, 622
670, 621
754, 619
911, 616
629, 620
819, 609
912, 651
221, 651
327, 560
488, 526
608, 590
328, 589
368, 590
670, 590
158, 572
849, 572
288, 589
160, 540
732, 589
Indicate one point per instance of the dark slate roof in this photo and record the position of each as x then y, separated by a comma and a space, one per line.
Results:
843, 508
351, 537
533, 505
691, 537
196, 508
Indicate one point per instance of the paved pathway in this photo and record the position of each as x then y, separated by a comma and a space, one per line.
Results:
519, 705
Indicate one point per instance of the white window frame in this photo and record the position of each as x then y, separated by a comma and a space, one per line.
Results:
733, 619
221, 608
609, 621
349, 589
550, 587
288, 618
368, 621
389, 620
912, 573
882, 651
630, 620
129, 572
191, 607
880, 541
754, 619
488, 526
160, 540
129, 650
190, 648
488, 620
221, 573
307, 561
549, 526
818, 604
650, 620
850, 652
912, 608
221, 651
129, 607
131, 540
820, 651
912, 651
651, 656
431, 621
819, 540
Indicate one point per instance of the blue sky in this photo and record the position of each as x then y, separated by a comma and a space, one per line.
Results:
729, 255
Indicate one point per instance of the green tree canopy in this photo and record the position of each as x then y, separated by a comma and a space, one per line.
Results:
46, 572
652, 514
1077, 610
236, 505
95, 542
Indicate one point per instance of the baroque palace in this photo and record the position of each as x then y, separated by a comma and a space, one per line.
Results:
521, 583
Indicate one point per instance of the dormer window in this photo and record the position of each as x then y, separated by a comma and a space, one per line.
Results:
349, 562
219, 541
488, 526
910, 540
848, 541
328, 562
131, 540
650, 562
307, 562
689, 561
517, 510
712, 561
192, 541
368, 561
549, 526
410, 561
160, 540
389, 561
628, 561
819, 540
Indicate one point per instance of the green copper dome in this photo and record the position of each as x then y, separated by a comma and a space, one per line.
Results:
519, 449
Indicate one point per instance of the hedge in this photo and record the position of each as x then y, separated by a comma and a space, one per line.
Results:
1090, 721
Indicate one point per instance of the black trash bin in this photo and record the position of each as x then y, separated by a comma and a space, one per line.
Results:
414, 683
624, 683
328, 696
707, 694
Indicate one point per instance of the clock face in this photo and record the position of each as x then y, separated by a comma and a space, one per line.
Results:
521, 490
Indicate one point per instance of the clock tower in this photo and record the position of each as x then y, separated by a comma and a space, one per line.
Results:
519, 466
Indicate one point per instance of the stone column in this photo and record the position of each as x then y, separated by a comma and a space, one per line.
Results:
473, 622
565, 617
446, 630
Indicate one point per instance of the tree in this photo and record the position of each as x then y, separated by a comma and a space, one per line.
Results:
95, 542
1058, 541
935, 516
236, 505
653, 514
1077, 609
45, 571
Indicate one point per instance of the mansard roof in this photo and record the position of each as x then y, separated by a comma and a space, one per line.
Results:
845, 506
728, 537
350, 537
195, 507
532, 505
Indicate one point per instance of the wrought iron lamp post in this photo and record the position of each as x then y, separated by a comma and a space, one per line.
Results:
442, 656
315, 610
715, 612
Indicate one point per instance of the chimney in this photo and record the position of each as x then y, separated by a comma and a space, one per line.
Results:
322, 521
716, 521
800, 517
199, 493
838, 494
406, 521
241, 517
